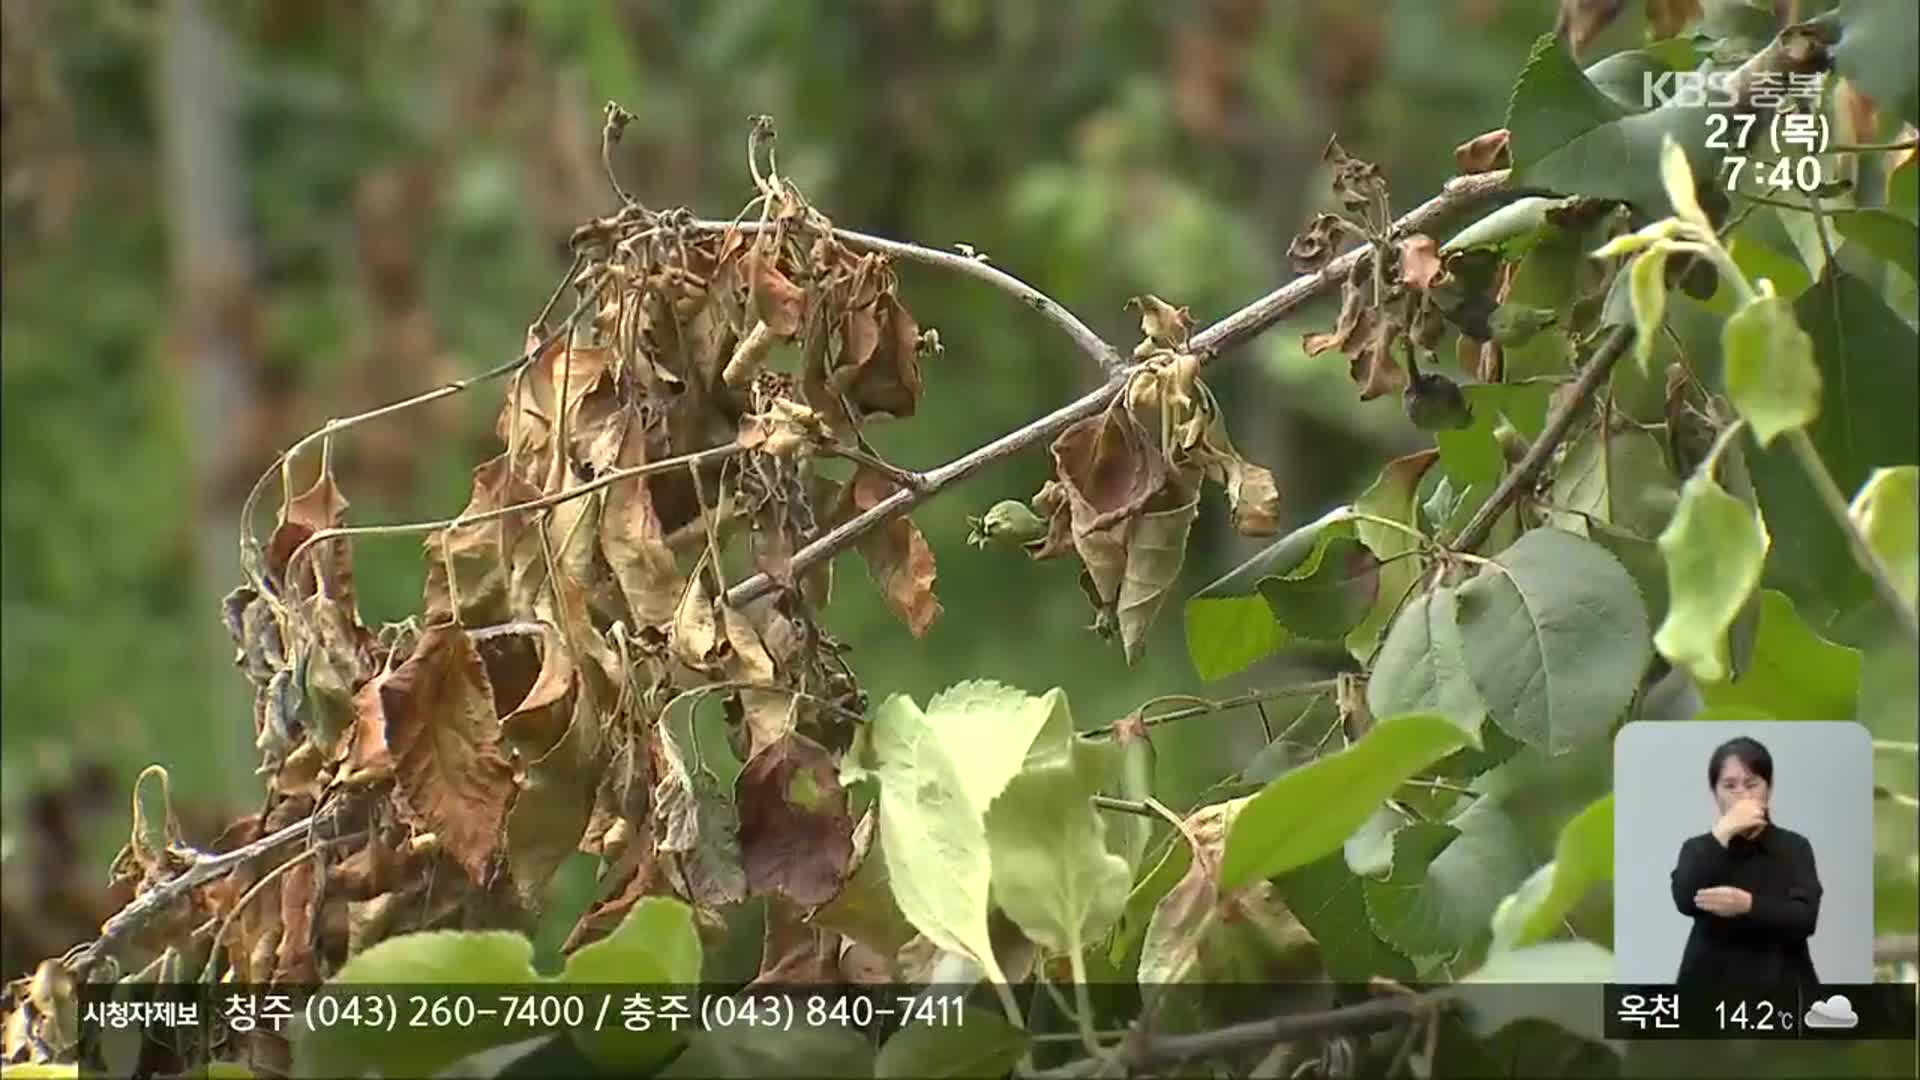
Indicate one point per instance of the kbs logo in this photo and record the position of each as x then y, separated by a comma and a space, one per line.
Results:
1688, 89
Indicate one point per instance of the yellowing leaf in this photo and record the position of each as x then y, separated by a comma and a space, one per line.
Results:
1648, 290
1770, 373
1714, 549
1677, 177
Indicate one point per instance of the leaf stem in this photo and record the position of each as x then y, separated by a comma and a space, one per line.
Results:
1836, 504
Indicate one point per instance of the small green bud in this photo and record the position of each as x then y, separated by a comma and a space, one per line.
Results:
1008, 523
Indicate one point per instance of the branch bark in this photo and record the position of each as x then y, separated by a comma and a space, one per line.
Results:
1237, 328
1597, 368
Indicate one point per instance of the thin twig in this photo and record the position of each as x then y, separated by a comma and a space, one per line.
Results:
697, 458
1205, 707
1237, 328
1597, 368
153, 901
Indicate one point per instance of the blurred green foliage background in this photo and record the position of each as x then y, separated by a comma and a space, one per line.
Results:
228, 220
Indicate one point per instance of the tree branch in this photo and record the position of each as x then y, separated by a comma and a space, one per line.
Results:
1148, 1052
1235, 329
153, 901
1597, 368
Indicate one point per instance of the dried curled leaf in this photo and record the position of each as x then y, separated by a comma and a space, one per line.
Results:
1419, 261
1107, 468
1484, 152
1317, 244
445, 740
786, 429
1253, 496
635, 544
1358, 184
1156, 547
780, 303
897, 555
1161, 324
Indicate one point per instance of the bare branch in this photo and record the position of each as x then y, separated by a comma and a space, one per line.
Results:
1235, 329
1597, 368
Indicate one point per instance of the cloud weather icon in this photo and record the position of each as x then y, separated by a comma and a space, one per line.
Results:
1834, 1012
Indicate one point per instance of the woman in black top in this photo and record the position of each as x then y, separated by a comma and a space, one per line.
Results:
1749, 885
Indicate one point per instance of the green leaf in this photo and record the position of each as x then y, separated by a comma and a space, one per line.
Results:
1553, 102
1621, 479
1870, 367
654, 943
1648, 289
1757, 259
1330, 591
938, 772
1328, 900
1563, 962
1769, 370
1887, 235
1423, 668
1471, 455
1229, 624
1394, 495
1547, 278
1568, 136
435, 956
1795, 674
1052, 872
1714, 549
754, 1050
1887, 512
1878, 41
981, 1045
1582, 859
1511, 228
1556, 639
1447, 880
1144, 899
1310, 811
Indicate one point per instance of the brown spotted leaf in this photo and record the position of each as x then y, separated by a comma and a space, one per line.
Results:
1156, 549
897, 555
768, 714
445, 740
796, 837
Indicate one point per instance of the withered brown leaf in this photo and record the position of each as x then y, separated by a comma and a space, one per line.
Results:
897, 555
445, 740
1419, 260
481, 557
796, 837
1484, 152
776, 299
635, 544
1156, 548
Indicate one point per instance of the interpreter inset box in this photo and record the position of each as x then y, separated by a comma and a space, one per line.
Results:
1743, 854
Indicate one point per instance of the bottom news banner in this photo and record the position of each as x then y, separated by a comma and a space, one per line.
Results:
1328, 1029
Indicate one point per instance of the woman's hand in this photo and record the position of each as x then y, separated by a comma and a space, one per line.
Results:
1745, 816
1724, 900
